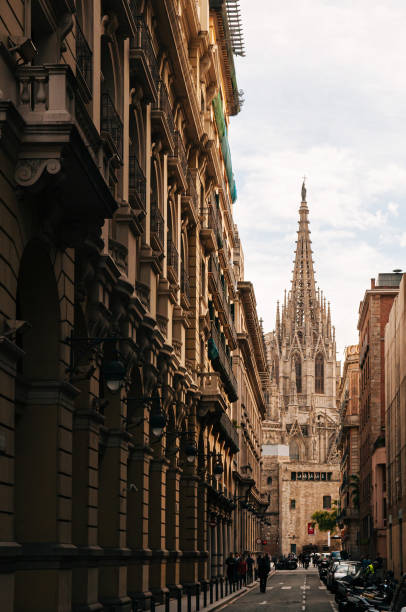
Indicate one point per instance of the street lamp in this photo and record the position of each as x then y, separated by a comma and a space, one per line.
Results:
114, 374
218, 469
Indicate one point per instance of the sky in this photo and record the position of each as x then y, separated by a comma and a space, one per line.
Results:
324, 84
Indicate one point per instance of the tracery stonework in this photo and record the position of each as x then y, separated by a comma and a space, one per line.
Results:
300, 459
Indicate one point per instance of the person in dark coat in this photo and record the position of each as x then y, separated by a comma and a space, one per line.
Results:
250, 564
231, 569
264, 567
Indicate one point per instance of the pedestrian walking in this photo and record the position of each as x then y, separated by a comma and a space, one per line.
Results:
230, 564
250, 565
242, 570
264, 567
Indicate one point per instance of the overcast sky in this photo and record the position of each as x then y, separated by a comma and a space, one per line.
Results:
325, 97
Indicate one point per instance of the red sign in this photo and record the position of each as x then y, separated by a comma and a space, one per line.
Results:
310, 529
264, 542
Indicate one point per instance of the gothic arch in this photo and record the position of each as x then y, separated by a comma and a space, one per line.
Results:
297, 364
294, 450
319, 373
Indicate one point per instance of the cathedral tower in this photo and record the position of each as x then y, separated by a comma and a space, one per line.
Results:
301, 469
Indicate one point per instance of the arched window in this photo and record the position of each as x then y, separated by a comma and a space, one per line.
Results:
294, 450
298, 372
269, 480
319, 373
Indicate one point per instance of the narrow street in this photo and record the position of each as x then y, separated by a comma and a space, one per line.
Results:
288, 591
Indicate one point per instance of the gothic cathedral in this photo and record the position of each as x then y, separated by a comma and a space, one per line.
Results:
300, 460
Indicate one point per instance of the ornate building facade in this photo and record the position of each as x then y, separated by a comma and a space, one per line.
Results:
119, 466
300, 458
348, 443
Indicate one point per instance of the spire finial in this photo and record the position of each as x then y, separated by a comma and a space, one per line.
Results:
304, 189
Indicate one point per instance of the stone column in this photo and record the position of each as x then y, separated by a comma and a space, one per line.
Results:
188, 528
113, 488
86, 444
203, 541
172, 526
138, 510
220, 560
157, 512
213, 551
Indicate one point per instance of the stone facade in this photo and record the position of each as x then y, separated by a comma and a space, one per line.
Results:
299, 433
373, 315
395, 429
118, 440
348, 444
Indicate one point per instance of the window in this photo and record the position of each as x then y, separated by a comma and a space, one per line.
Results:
292, 504
294, 450
319, 373
298, 372
269, 481
293, 548
326, 502
293, 475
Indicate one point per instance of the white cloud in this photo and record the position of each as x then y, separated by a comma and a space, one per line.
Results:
324, 84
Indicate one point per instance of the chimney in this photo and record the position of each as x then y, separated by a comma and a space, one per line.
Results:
372, 283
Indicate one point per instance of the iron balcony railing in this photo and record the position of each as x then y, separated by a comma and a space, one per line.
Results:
173, 257
111, 123
163, 104
143, 41
137, 182
84, 58
184, 283
191, 189
222, 362
180, 153
215, 224
157, 223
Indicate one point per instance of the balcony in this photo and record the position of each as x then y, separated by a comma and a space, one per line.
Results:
190, 200
173, 262
50, 101
216, 225
217, 289
350, 420
143, 63
137, 186
157, 228
163, 124
178, 162
185, 288
84, 61
207, 235
111, 126
222, 363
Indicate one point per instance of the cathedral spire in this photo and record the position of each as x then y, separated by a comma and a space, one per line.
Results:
303, 294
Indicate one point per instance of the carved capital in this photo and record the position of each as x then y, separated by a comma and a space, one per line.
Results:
29, 171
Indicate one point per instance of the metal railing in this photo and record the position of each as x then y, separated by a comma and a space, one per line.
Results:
180, 153
84, 57
157, 223
224, 358
215, 224
143, 41
214, 270
184, 283
111, 123
137, 181
173, 256
163, 104
191, 189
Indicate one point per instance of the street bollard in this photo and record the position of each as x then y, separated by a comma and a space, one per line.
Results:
167, 602
205, 595
152, 604
217, 590
179, 598
197, 597
189, 600
211, 592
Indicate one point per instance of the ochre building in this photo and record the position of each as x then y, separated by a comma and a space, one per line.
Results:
300, 459
395, 430
121, 332
348, 445
373, 315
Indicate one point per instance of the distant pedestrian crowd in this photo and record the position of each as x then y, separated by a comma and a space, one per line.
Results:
242, 569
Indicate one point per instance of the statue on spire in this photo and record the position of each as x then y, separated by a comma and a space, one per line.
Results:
303, 190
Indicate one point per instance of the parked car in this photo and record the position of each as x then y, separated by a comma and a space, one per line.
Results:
343, 569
